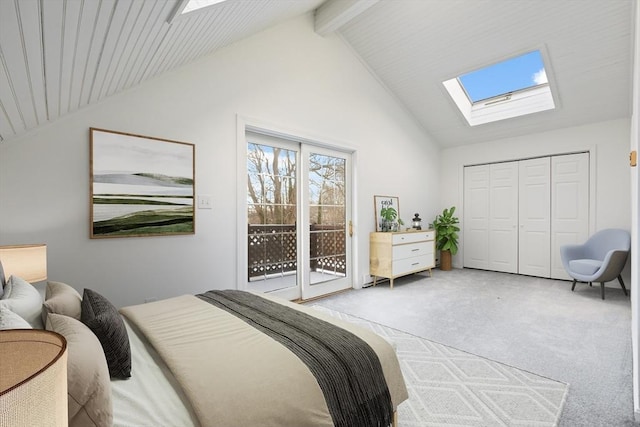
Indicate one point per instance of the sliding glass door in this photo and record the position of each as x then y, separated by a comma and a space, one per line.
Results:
298, 206
272, 214
327, 212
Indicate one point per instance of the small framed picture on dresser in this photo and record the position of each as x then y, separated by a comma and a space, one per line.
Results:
387, 209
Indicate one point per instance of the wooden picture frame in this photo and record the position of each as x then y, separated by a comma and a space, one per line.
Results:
380, 202
140, 185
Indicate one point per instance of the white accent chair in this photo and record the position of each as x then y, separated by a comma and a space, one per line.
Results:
600, 259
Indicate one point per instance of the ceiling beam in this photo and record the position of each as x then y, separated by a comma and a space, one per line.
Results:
333, 14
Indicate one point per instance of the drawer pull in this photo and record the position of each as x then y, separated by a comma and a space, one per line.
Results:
415, 250
416, 263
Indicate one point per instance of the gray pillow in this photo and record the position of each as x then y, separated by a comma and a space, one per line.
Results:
10, 320
105, 322
24, 300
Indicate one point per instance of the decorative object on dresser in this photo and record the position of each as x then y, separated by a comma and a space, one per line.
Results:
33, 384
396, 254
387, 209
416, 222
447, 230
140, 185
389, 216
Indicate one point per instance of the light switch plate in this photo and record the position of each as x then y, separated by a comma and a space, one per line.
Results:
204, 202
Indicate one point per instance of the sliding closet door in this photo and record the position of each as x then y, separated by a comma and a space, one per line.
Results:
569, 206
534, 217
503, 217
476, 217
518, 214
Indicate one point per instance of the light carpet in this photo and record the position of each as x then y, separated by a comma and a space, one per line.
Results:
449, 387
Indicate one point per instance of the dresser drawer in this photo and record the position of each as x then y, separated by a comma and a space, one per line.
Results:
413, 237
408, 265
412, 250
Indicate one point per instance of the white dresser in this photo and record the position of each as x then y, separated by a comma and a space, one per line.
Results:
395, 254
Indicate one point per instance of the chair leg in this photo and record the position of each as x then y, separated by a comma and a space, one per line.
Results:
602, 289
573, 285
622, 284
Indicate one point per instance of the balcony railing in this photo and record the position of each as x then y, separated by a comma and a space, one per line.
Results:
273, 249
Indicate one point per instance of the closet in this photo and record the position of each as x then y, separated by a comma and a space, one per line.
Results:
517, 214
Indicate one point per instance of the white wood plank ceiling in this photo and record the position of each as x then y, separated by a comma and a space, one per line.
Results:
59, 55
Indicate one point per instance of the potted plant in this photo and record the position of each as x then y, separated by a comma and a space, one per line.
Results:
388, 215
447, 230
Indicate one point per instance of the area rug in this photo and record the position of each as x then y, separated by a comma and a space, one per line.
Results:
449, 387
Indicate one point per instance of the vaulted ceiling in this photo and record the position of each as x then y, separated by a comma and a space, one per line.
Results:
60, 55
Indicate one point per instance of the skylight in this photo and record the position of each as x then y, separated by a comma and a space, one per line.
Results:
507, 89
199, 4
515, 74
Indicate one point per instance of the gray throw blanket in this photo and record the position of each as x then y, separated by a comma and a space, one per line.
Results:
346, 368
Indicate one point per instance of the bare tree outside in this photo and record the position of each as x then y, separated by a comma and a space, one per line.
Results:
327, 204
326, 190
271, 200
272, 185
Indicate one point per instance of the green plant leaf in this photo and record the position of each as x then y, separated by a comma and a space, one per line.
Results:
388, 213
447, 230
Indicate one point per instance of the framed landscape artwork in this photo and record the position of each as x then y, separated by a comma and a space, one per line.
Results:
140, 186
385, 202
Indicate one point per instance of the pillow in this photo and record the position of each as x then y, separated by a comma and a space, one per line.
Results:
2, 279
24, 300
88, 383
61, 298
10, 320
105, 321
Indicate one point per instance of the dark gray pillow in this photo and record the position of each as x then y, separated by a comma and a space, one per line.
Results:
2, 279
104, 320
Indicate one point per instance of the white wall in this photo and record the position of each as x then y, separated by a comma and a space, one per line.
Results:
288, 76
608, 140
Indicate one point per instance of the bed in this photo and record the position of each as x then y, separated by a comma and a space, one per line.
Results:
205, 361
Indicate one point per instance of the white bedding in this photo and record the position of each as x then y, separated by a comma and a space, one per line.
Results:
282, 392
156, 401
